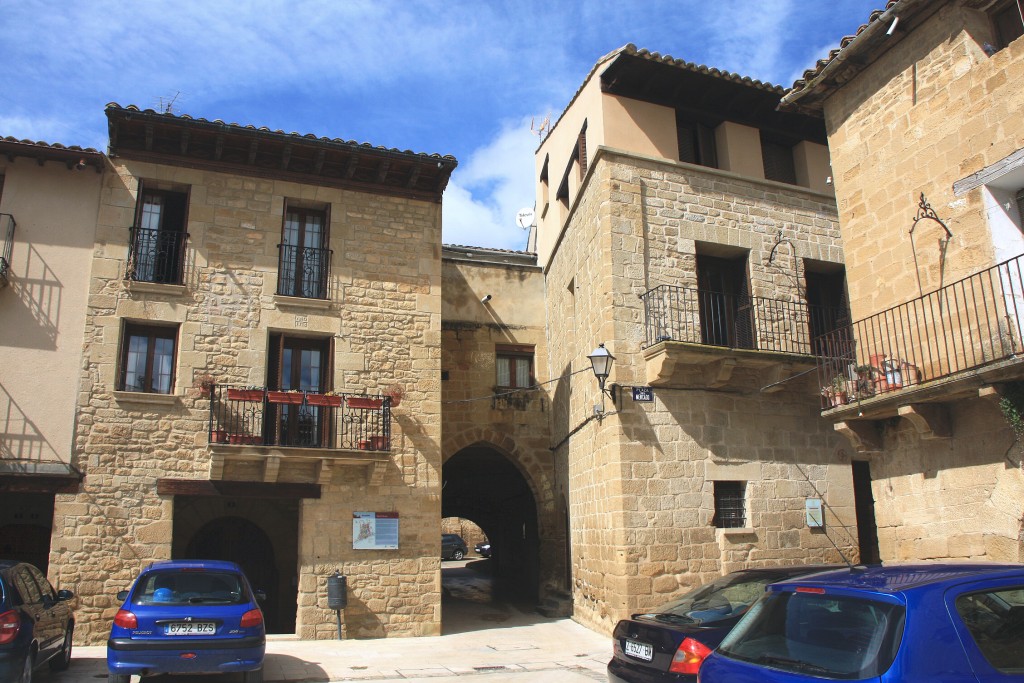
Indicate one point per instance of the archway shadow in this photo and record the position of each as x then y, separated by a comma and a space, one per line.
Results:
473, 599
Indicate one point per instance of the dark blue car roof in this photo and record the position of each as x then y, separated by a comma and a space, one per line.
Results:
903, 577
195, 564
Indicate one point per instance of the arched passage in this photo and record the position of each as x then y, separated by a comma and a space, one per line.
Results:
482, 485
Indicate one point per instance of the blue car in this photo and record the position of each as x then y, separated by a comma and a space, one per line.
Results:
936, 622
188, 617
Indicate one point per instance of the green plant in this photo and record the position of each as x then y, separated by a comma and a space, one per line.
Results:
1012, 406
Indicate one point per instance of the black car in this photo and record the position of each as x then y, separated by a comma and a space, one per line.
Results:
36, 622
483, 549
668, 644
453, 547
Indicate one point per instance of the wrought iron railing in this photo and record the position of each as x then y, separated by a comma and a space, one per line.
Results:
717, 319
261, 417
7, 226
156, 256
304, 272
961, 326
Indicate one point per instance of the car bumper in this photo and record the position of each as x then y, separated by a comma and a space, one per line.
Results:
618, 672
11, 664
192, 657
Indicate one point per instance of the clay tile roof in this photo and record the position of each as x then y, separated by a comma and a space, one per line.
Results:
70, 155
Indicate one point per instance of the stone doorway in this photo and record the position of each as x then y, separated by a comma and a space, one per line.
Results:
482, 485
261, 535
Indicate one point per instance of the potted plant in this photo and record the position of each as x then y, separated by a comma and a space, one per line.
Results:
837, 392
290, 396
245, 393
328, 399
867, 377
202, 385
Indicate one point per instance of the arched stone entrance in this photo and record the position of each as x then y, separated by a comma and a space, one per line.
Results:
260, 535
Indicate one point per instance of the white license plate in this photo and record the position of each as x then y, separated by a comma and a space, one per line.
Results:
639, 650
190, 628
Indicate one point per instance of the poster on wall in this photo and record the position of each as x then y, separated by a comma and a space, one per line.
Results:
374, 530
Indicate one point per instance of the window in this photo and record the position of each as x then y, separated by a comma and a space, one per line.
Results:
147, 358
696, 142
1007, 23
729, 504
778, 161
995, 619
514, 366
305, 261
157, 242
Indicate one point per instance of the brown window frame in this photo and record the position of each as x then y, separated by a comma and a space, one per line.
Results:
152, 332
513, 353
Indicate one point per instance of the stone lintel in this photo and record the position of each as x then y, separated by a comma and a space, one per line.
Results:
862, 434
931, 420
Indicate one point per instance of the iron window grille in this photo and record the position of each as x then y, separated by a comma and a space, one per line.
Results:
729, 504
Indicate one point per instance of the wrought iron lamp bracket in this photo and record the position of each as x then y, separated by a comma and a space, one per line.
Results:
925, 210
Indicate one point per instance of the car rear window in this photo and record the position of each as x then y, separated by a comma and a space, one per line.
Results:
190, 588
995, 620
724, 598
831, 636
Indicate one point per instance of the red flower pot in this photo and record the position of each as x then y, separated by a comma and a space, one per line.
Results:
323, 400
364, 402
290, 397
245, 394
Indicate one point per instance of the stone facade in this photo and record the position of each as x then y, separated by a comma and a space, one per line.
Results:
932, 111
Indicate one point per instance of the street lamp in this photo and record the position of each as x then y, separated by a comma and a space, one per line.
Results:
601, 362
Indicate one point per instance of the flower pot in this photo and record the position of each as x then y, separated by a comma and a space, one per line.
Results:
375, 443
219, 436
323, 400
364, 402
289, 397
245, 394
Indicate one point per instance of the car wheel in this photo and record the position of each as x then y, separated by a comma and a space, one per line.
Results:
253, 676
458, 554
118, 678
63, 658
26, 669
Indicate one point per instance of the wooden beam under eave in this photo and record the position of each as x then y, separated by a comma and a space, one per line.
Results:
862, 434
186, 135
382, 172
931, 420
149, 137
286, 157
413, 177
318, 164
253, 146
350, 170
218, 147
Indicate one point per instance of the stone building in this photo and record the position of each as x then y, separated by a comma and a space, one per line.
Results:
688, 226
922, 108
49, 196
259, 378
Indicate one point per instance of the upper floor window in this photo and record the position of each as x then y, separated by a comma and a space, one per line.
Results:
514, 366
305, 261
1007, 22
156, 248
778, 160
696, 142
147, 358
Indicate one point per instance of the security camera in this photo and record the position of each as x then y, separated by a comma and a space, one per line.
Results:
485, 299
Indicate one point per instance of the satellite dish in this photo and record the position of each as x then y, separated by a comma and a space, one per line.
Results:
524, 218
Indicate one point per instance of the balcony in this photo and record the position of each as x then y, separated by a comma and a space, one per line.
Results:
303, 272
7, 226
699, 338
258, 423
156, 256
947, 344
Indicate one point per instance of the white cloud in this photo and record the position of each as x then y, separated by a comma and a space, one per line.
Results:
488, 189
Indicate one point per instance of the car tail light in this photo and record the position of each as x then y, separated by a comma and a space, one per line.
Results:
10, 625
126, 619
810, 589
689, 656
253, 617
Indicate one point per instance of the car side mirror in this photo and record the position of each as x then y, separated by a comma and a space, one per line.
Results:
121, 595
261, 596
64, 595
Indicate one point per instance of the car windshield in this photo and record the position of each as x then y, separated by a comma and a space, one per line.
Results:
190, 588
831, 636
727, 597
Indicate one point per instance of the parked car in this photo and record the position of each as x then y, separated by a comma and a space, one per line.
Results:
940, 622
483, 549
669, 643
453, 547
188, 617
37, 623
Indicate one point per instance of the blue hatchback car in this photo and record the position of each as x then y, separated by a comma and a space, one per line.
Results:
188, 617
941, 623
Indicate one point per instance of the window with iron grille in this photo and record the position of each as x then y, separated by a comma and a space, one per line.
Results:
729, 504
147, 358
305, 261
514, 365
157, 240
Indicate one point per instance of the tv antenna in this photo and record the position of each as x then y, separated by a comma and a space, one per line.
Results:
166, 104
543, 128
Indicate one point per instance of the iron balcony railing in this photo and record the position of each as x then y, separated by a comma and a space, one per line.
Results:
7, 226
262, 417
156, 256
717, 319
304, 272
961, 326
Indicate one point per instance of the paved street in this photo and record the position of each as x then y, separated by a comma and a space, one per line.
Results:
484, 639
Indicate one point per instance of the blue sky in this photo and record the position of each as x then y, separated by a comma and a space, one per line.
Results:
456, 77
